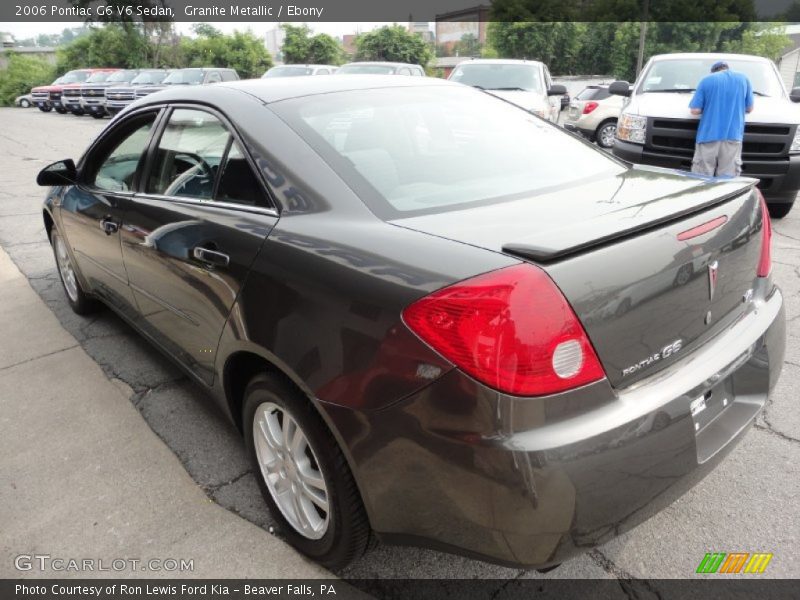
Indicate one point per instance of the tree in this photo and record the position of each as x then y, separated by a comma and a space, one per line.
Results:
300, 47
21, 74
468, 45
395, 44
111, 45
555, 44
242, 51
762, 39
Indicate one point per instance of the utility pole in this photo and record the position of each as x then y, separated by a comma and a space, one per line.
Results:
642, 37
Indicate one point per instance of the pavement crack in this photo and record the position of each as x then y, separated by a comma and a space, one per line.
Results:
507, 583
633, 588
768, 428
213, 488
27, 360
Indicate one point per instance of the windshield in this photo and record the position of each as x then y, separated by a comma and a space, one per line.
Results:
675, 75
98, 77
287, 72
499, 76
149, 77
365, 70
187, 77
119, 76
418, 149
74, 77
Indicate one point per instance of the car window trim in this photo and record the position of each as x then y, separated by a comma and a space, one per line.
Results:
261, 210
234, 136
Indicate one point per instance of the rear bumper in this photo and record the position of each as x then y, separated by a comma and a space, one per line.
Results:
531, 482
780, 177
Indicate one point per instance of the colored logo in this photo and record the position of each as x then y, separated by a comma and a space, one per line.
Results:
734, 562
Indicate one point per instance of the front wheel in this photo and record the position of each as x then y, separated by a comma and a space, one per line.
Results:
778, 211
606, 133
45, 108
24, 103
61, 111
303, 474
80, 302
97, 115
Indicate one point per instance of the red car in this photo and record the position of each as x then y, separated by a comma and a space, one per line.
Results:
48, 97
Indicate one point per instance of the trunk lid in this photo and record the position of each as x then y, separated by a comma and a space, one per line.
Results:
642, 294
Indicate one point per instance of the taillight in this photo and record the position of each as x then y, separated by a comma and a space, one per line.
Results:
511, 329
765, 261
589, 107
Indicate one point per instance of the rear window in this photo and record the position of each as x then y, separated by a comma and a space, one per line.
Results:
421, 150
593, 93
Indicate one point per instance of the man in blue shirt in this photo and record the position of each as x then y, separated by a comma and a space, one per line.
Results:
721, 100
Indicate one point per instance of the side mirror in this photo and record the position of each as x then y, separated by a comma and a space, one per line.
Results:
620, 88
62, 172
557, 90
794, 95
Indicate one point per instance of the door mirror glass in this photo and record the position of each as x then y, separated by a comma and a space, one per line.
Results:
794, 96
620, 88
557, 90
62, 172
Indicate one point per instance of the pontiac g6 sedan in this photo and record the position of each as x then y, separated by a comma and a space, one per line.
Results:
437, 319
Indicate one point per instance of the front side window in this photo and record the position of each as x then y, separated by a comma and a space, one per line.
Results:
189, 154
214, 77
120, 158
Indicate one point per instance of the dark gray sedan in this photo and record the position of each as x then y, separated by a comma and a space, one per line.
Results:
437, 319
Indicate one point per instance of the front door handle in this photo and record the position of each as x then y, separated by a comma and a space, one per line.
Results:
211, 257
109, 226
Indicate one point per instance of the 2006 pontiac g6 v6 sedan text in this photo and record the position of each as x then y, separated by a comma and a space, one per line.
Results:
437, 319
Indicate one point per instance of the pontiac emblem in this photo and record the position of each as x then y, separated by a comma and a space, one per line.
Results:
713, 269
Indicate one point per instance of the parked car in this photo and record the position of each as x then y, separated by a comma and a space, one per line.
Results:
24, 101
71, 97
526, 83
299, 70
119, 96
565, 100
384, 283
48, 97
594, 113
380, 68
190, 76
93, 93
657, 128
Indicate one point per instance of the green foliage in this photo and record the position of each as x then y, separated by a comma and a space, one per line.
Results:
112, 45
762, 39
21, 74
300, 47
394, 44
555, 44
468, 45
242, 51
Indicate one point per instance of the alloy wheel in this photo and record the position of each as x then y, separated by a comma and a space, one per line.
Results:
290, 470
66, 270
606, 135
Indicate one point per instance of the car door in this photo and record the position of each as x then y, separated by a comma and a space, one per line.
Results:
192, 232
92, 212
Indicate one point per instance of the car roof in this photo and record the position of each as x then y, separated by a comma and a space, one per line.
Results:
709, 55
309, 66
498, 61
381, 63
283, 88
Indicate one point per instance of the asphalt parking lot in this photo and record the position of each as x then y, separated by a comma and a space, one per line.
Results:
748, 504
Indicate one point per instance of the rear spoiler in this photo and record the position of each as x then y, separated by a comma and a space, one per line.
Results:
614, 226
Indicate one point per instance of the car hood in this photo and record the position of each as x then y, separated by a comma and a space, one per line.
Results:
46, 88
522, 98
676, 106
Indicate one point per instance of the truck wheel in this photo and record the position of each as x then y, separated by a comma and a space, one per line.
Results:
778, 211
605, 133
61, 111
45, 108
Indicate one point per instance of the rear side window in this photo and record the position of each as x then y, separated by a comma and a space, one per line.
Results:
119, 160
594, 93
229, 75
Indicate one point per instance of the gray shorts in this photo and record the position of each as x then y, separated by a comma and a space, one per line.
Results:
720, 159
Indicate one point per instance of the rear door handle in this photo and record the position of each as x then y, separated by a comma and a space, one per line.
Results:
109, 226
211, 257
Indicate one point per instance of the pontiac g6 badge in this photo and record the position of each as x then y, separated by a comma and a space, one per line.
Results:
713, 269
665, 352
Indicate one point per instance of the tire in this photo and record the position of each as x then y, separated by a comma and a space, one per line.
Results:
78, 113
25, 103
45, 108
80, 302
97, 115
778, 211
333, 538
61, 111
605, 133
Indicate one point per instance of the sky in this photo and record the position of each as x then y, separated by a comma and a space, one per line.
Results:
32, 29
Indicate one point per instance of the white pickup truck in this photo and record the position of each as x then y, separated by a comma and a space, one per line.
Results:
657, 128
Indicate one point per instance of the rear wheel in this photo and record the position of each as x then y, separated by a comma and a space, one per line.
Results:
606, 133
303, 474
79, 301
778, 211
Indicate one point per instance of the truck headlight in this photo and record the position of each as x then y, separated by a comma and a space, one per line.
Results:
795, 147
632, 128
